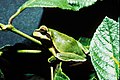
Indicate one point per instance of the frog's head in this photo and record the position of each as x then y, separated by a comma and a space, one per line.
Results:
42, 33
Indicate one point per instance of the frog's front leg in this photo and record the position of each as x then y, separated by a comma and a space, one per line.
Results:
53, 51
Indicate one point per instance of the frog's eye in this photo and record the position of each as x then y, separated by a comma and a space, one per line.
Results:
43, 30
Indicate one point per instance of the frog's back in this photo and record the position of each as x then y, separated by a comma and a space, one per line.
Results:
65, 43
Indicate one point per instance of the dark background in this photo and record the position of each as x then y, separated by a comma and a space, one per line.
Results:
76, 24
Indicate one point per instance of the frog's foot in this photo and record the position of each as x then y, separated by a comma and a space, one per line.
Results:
73, 2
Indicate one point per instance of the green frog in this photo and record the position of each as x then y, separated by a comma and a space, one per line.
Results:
63, 47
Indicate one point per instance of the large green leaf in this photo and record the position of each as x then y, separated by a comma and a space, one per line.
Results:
59, 75
63, 4
47, 3
104, 50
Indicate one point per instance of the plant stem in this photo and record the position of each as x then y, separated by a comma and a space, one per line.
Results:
16, 14
52, 50
51, 68
13, 29
1, 53
29, 51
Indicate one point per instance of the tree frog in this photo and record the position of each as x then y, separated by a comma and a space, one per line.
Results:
63, 47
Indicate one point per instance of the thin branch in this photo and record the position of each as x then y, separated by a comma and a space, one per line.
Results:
29, 51
51, 68
1, 53
16, 14
25, 35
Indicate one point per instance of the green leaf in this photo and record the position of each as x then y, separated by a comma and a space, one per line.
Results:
104, 50
85, 44
1, 75
70, 57
93, 76
47, 3
78, 4
59, 74
63, 4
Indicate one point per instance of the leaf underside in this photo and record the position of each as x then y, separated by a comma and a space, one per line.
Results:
104, 50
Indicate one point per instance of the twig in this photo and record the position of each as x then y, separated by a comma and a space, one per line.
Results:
25, 35
1, 53
51, 68
16, 14
29, 51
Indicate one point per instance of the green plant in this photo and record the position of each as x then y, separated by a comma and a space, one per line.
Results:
103, 47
